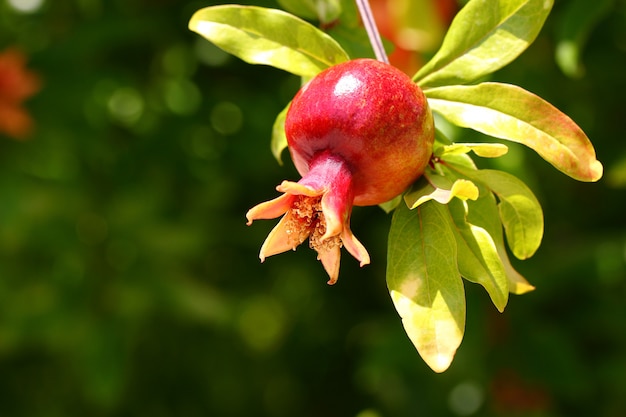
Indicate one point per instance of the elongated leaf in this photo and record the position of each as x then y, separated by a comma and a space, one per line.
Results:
484, 212
484, 36
279, 139
478, 257
424, 282
512, 113
520, 212
259, 35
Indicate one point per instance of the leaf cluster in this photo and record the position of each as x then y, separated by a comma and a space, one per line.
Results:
454, 221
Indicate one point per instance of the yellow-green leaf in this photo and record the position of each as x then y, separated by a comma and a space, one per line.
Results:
484, 212
520, 212
442, 189
478, 258
484, 36
424, 282
512, 113
273, 37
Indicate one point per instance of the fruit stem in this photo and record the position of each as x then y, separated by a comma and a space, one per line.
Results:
372, 30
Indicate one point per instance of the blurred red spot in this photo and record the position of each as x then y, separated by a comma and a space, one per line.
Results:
514, 396
16, 85
392, 23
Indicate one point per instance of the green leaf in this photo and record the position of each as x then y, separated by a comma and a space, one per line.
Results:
259, 35
512, 113
484, 212
485, 150
433, 186
520, 212
323, 10
484, 36
279, 139
478, 258
424, 282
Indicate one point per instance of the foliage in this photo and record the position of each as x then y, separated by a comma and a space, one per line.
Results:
485, 36
268, 36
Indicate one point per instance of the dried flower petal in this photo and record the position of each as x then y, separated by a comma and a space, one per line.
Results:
317, 208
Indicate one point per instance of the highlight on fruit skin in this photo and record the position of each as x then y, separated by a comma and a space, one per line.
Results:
359, 133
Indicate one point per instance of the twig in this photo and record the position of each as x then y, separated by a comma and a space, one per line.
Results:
372, 30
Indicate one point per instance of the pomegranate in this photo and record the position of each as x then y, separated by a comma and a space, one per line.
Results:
359, 133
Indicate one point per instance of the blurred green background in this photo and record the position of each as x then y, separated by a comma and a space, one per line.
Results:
130, 284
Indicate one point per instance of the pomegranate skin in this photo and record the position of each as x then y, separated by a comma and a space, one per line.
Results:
372, 116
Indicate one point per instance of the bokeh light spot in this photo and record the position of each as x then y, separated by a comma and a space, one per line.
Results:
226, 118
179, 61
466, 398
369, 413
203, 143
182, 97
126, 105
26, 6
262, 324
610, 260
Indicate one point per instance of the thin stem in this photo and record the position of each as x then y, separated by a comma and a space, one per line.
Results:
372, 30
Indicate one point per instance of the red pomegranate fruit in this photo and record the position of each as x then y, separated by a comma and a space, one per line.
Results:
359, 133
